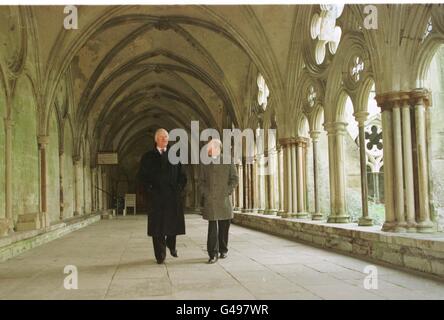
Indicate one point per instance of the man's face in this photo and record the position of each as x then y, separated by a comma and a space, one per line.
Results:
162, 139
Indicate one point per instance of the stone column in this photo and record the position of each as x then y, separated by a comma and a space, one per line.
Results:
421, 101
271, 179
336, 132
105, 190
61, 176
281, 180
398, 168
387, 138
288, 205
246, 191
260, 183
43, 141
365, 220
93, 188
77, 186
241, 186
294, 179
100, 187
408, 163
317, 215
301, 182
7, 226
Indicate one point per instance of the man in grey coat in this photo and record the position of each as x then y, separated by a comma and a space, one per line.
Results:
216, 182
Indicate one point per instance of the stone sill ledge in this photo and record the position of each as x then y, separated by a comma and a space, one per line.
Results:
22, 241
419, 252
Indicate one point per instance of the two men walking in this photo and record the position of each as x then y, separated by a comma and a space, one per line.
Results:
164, 182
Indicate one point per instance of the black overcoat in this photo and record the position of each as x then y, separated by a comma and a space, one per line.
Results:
163, 183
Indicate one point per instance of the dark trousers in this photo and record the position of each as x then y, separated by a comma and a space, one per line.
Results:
217, 237
160, 243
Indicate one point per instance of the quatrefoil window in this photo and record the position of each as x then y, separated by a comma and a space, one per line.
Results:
324, 30
356, 68
263, 93
311, 98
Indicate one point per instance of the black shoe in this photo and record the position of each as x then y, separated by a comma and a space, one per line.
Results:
223, 255
213, 260
160, 261
174, 253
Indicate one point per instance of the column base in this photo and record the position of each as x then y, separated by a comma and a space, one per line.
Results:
365, 222
301, 215
280, 213
339, 219
426, 227
76, 213
270, 212
389, 226
411, 227
5, 227
45, 221
287, 215
245, 210
260, 211
317, 216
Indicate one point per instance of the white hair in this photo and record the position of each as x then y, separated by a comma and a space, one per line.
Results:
158, 131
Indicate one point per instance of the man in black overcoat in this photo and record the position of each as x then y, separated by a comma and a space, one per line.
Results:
163, 183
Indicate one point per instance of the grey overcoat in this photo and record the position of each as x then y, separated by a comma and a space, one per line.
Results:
216, 183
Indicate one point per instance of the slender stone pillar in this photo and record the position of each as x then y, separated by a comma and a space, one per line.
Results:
61, 178
273, 188
425, 224
43, 141
408, 164
365, 220
281, 180
105, 190
301, 182
288, 201
398, 168
77, 186
294, 179
241, 186
317, 215
245, 184
260, 181
387, 137
336, 132
9, 218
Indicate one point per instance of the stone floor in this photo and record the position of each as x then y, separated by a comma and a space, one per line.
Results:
114, 259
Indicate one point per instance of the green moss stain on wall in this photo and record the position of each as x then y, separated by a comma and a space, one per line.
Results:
68, 178
53, 180
25, 162
2, 155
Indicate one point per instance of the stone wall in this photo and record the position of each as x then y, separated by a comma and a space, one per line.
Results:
436, 78
423, 253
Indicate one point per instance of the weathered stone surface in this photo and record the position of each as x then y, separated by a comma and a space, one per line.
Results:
399, 250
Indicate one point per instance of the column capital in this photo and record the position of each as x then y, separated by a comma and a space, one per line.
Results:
301, 141
314, 135
334, 128
386, 101
361, 117
42, 140
421, 96
286, 141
